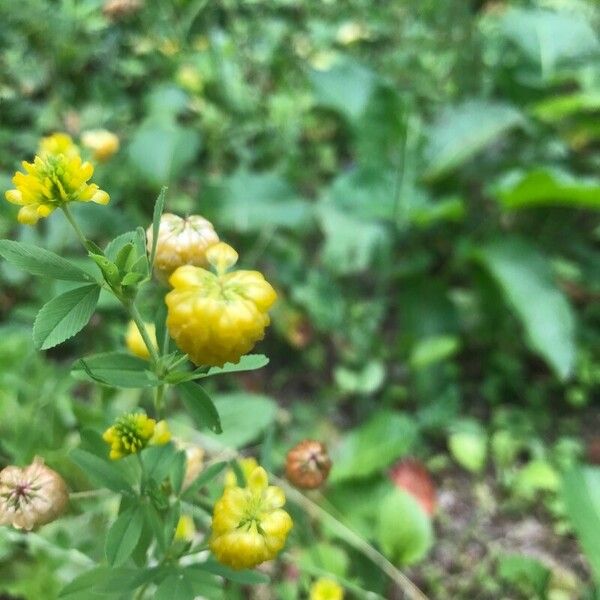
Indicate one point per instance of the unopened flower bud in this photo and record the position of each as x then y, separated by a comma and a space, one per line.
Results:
411, 476
308, 464
133, 432
31, 496
181, 242
101, 142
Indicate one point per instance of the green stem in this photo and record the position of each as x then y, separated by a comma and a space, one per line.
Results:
159, 401
137, 318
69, 216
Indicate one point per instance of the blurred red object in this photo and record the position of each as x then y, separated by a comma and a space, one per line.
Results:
593, 451
411, 476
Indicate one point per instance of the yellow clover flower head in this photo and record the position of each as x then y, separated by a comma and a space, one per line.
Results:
218, 317
58, 143
247, 465
181, 242
31, 496
101, 142
326, 589
134, 341
51, 181
133, 432
249, 524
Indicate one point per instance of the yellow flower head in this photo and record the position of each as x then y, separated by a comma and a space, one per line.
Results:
58, 143
134, 341
326, 589
247, 465
249, 524
51, 181
217, 318
181, 242
133, 432
101, 142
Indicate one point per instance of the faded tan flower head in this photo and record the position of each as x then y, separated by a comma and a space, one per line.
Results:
181, 242
308, 464
31, 496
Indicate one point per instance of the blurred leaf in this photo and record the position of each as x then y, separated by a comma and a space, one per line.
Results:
253, 201
123, 536
175, 585
326, 557
525, 572
462, 131
39, 261
373, 446
581, 493
101, 471
468, 445
526, 280
244, 417
162, 150
433, 349
545, 187
116, 369
547, 37
346, 86
350, 243
243, 577
64, 316
366, 380
248, 362
200, 406
404, 529
556, 108
536, 475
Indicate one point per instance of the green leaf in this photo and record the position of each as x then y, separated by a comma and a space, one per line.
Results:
433, 349
252, 201
159, 208
549, 37
123, 536
351, 243
403, 529
158, 461
38, 261
200, 406
526, 280
556, 108
462, 131
101, 471
160, 150
244, 577
581, 494
106, 580
175, 586
116, 369
546, 187
469, 448
525, 572
64, 316
249, 362
244, 418
346, 86
115, 246
372, 446
536, 475
86, 581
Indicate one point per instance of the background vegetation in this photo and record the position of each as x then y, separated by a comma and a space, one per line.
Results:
419, 181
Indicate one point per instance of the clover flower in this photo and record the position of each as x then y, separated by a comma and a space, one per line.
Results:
249, 524
53, 180
101, 142
326, 589
31, 496
217, 318
58, 143
133, 432
308, 464
135, 342
181, 242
